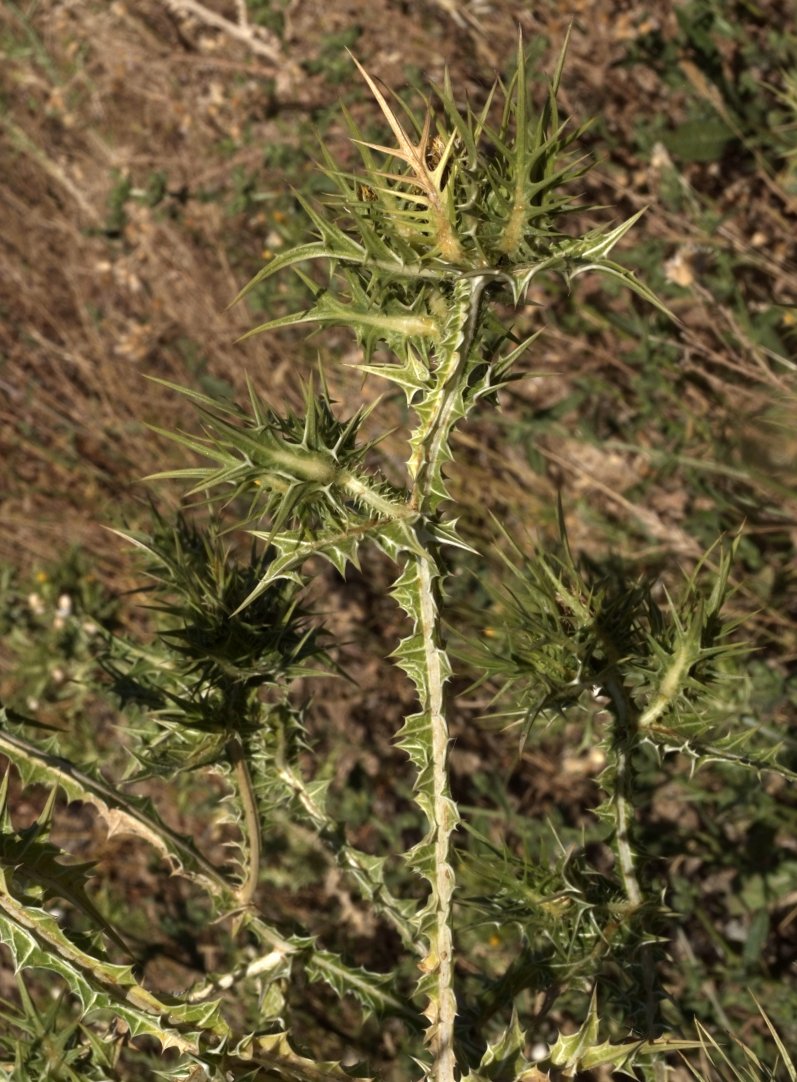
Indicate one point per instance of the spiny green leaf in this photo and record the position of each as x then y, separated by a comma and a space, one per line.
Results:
581, 1051
373, 991
347, 250
122, 813
29, 859
504, 1059
35, 941
275, 1052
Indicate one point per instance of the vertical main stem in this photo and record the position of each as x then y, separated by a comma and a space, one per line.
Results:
426, 735
442, 1015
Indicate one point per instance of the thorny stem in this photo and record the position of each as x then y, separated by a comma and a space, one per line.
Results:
243, 779
442, 951
433, 438
626, 726
430, 449
622, 790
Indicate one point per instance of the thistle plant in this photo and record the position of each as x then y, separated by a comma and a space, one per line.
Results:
417, 252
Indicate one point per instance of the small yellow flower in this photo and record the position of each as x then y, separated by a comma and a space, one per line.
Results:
435, 152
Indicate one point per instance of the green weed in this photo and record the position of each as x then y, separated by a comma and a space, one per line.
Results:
475, 933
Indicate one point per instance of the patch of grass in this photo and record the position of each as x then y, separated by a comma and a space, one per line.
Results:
332, 60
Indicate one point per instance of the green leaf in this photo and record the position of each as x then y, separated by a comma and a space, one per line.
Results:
373, 991
348, 250
35, 940
123, 814
504, 1059
581, 1051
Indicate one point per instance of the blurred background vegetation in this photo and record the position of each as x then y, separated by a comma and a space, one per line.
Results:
151, 152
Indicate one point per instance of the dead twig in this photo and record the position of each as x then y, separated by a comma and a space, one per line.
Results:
256, 38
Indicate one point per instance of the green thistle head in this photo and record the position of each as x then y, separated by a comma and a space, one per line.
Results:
458, 195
